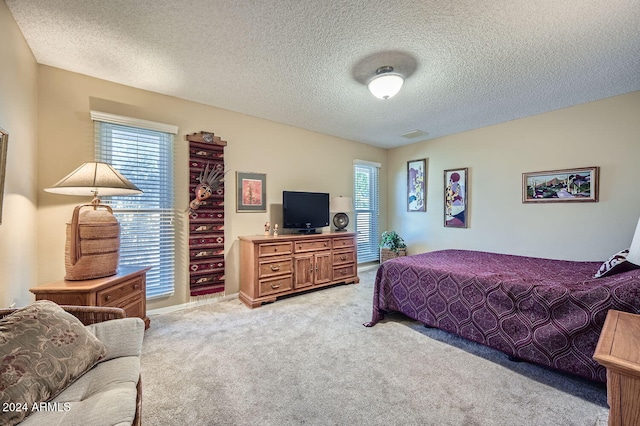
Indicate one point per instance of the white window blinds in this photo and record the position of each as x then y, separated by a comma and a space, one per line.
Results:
145, 157
366, 208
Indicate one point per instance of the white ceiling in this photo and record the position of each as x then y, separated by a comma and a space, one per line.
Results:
469, 63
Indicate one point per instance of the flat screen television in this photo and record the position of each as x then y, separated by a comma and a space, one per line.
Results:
305, 211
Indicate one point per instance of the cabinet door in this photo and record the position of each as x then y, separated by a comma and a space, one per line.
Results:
324, 268
303, 271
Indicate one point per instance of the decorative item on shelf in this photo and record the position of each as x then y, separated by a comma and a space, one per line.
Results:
267, 228
275, 230
341, 205
386, 83
210, 182
93, 236
391, 246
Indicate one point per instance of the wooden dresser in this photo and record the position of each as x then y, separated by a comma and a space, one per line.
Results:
276, 266
618, 350
126, 289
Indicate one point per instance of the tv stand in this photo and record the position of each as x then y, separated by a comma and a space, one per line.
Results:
308, 231
271, 267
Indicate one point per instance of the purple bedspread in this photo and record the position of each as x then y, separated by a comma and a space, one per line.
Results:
549, 312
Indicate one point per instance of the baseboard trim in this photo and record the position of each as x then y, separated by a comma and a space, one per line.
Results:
193, 304
368, 266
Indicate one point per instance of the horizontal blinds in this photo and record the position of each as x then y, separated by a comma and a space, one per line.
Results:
147, 237
366, 208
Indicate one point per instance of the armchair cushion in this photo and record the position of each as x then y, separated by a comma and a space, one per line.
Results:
121, 338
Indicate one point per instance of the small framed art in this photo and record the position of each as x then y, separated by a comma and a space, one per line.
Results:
568, 185
4, 140
456, 193
416, 186
251, 192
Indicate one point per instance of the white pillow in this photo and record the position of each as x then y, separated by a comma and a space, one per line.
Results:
634, 250
615, 264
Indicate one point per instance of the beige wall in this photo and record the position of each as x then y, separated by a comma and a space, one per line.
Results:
18, 116
604, 133
293, 159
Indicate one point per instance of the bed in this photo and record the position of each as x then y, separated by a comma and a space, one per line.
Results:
548, 312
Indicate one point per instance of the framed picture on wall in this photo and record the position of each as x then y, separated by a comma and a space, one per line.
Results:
568, 185
416, 186
456, 193
4, 140
251, 192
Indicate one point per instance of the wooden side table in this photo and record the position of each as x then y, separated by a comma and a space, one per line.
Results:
126, 289
619, 351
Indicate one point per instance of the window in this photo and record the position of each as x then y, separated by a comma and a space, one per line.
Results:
143, 152
366, 206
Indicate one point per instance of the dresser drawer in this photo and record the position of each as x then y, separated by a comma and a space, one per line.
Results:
275, 267
345, 256
132, 307
315, 245
276, 285
344, 272
343, 242
113, 296
274, 249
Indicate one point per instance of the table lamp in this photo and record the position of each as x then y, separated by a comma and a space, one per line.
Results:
341, 205
93, 236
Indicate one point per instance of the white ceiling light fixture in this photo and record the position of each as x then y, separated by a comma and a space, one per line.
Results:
386, 83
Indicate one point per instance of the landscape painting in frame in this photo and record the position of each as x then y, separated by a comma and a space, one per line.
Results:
416, 188
569, 185
455, 198
252, 195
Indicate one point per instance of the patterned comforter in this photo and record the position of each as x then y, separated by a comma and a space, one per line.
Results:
548, 312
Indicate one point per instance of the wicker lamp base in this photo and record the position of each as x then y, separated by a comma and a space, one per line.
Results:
93, 243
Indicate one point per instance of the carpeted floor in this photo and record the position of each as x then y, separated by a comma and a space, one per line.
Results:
307, 360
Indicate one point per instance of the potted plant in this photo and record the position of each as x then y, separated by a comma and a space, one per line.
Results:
391, 246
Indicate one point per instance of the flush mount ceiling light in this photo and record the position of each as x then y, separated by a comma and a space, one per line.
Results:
386, 83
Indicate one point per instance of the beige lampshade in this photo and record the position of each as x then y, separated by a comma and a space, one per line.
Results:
92, 178
341, 204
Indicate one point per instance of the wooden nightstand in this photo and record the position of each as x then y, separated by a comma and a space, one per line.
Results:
126, 289
619, 350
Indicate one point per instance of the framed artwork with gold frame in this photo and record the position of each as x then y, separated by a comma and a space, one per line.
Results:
564, 186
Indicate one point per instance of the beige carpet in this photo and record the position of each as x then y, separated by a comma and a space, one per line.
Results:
307, 360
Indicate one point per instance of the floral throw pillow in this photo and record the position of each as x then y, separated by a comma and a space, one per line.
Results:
43, 349
615, 264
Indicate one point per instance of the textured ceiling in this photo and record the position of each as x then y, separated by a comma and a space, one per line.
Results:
469, 63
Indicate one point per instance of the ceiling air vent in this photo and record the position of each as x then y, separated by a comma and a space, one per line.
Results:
414, 134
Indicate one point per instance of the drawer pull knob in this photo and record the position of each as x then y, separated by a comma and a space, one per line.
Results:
275, 267
107, 298
343, 257
136, 286
275, 249
274, 286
